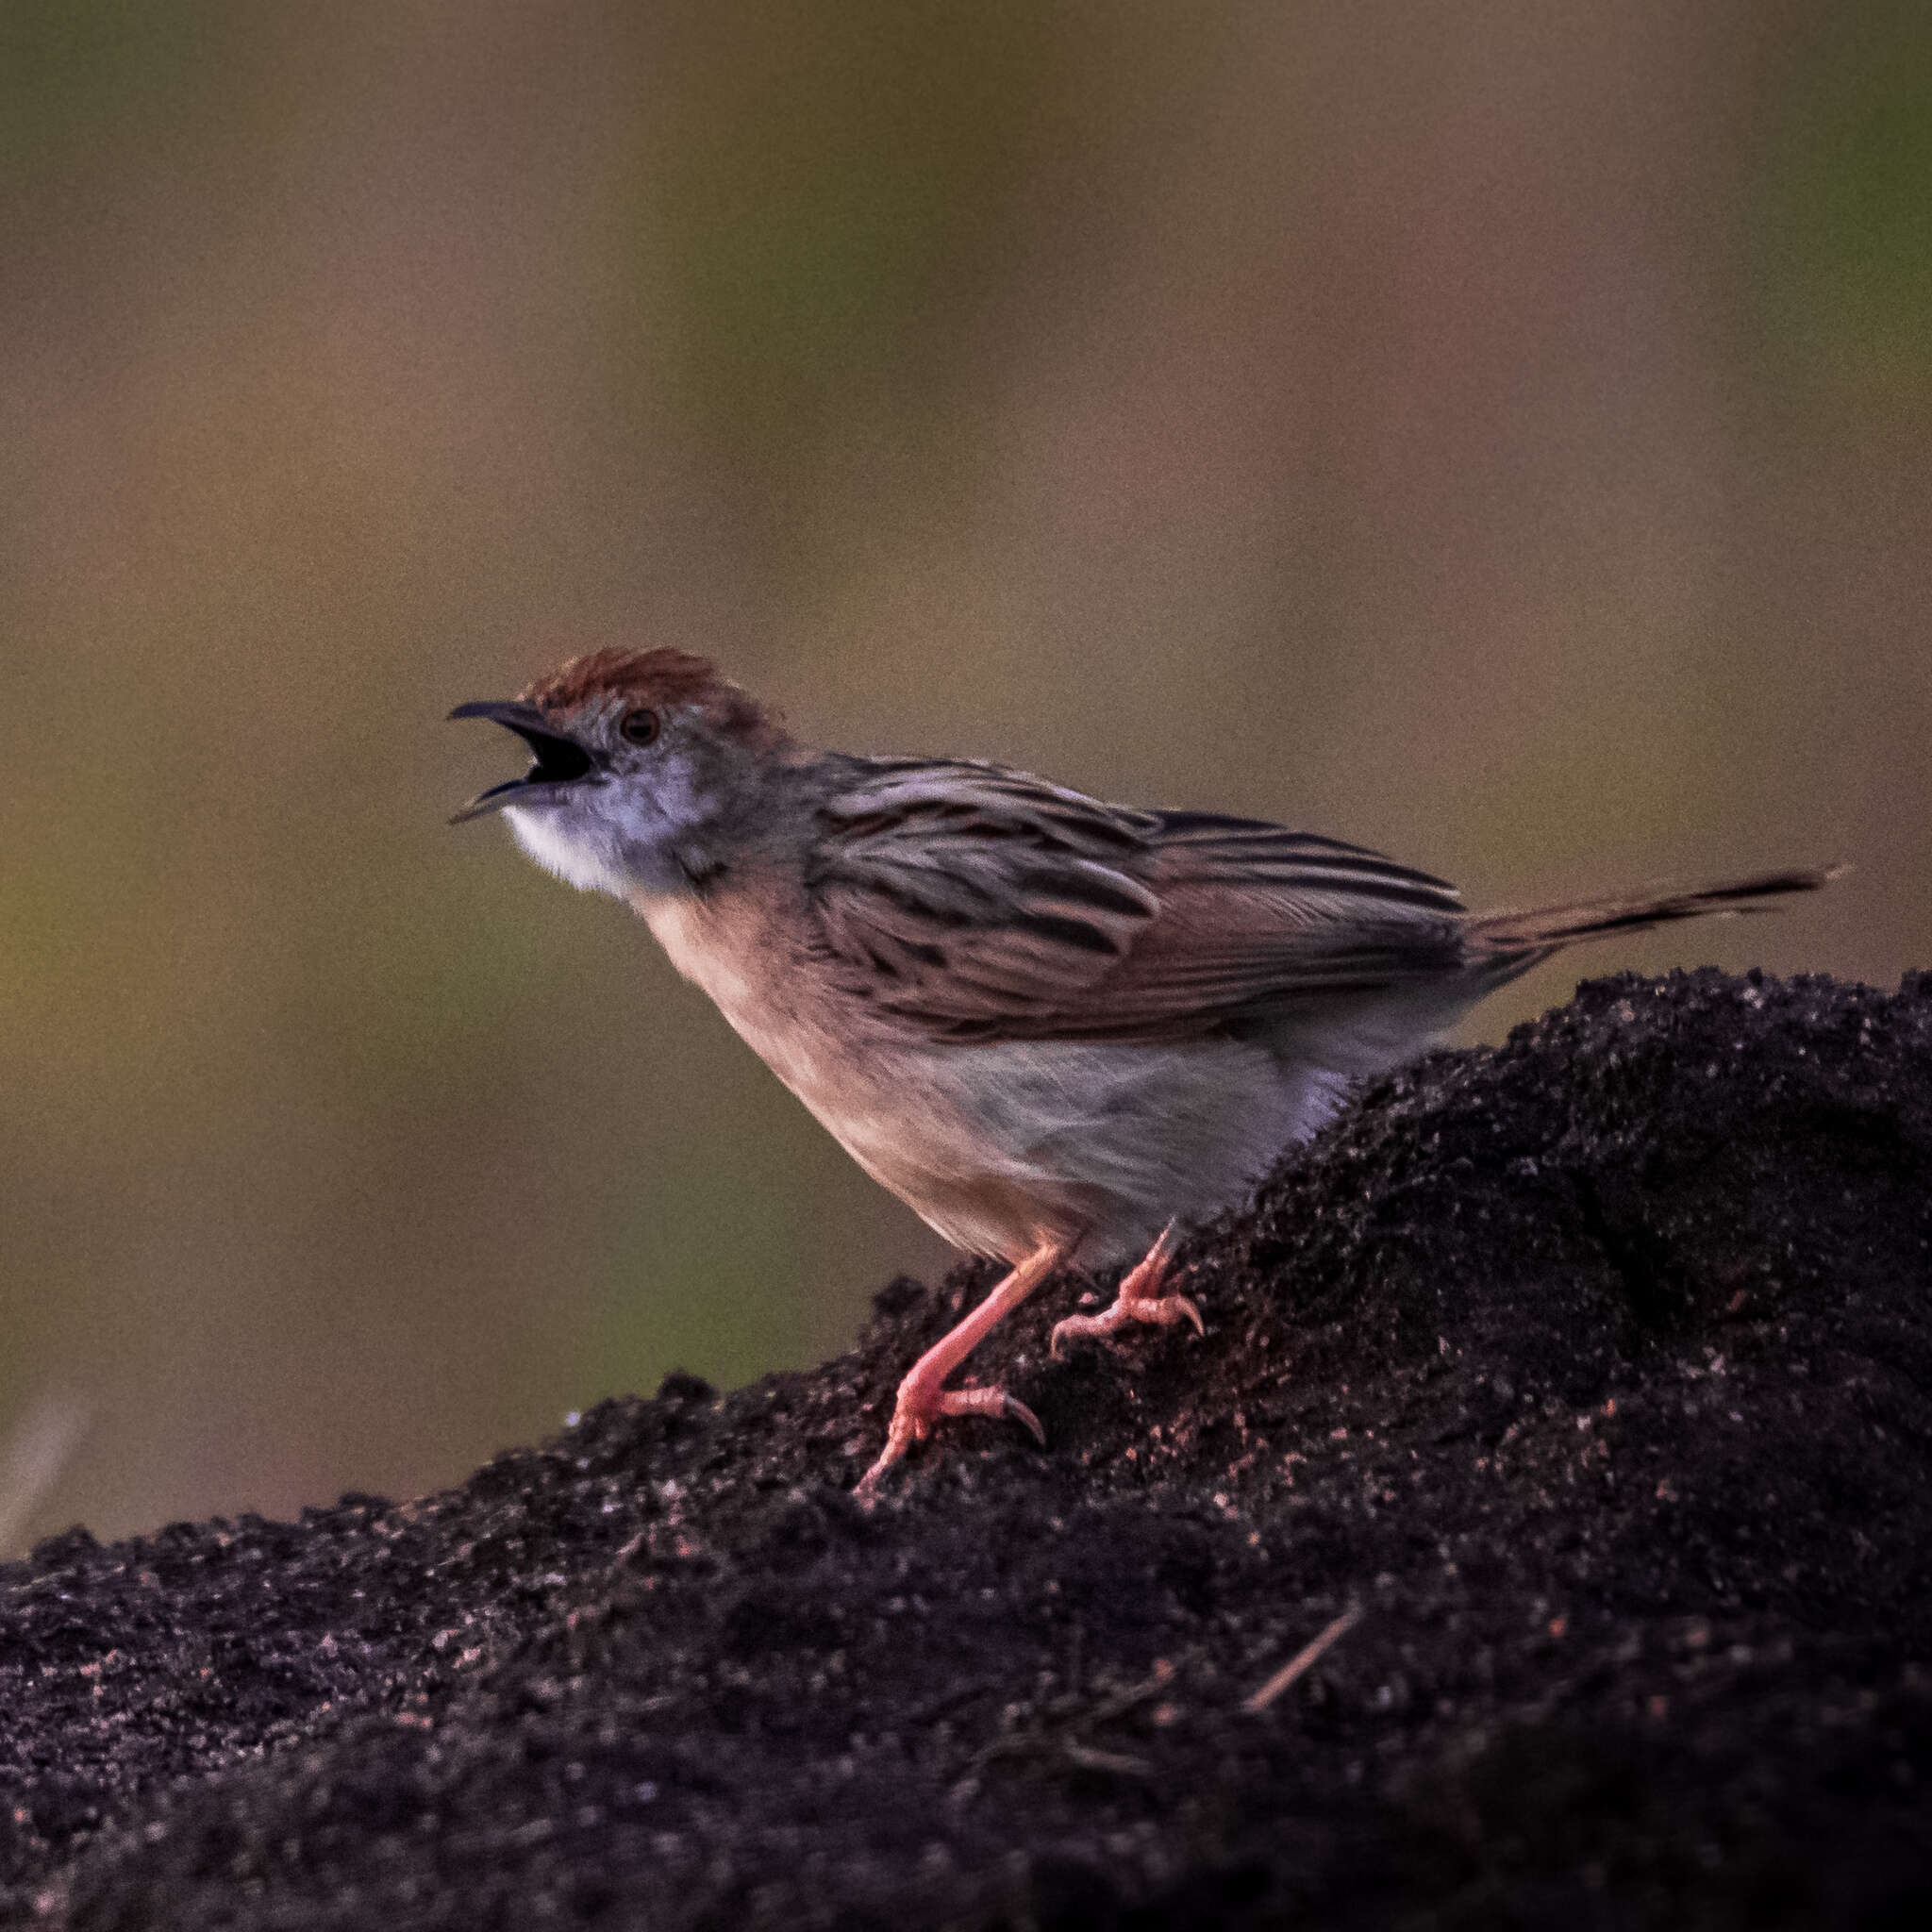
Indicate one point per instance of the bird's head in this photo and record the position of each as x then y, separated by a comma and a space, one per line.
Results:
640, 763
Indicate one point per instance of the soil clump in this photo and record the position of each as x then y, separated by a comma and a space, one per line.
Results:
1590, 1375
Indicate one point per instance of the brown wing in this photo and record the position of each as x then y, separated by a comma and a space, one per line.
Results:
1260, 921
972, 903
966, 899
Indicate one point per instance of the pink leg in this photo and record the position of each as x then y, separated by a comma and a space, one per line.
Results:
922, 1397
1140, 1299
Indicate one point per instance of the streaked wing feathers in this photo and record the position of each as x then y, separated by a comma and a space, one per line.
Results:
1253, 853
961, 896
971, 901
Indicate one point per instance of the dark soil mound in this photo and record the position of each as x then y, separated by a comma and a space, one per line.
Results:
1595, 1372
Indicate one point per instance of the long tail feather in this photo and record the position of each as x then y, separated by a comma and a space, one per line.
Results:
1506, 943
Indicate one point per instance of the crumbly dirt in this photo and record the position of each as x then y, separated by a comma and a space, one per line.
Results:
1595, 1371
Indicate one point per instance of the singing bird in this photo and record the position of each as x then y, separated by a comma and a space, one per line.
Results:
1054, 1026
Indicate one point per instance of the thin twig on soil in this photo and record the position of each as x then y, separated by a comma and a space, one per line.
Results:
1305, 1660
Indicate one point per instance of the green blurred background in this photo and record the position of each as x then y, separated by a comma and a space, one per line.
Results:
1501, 434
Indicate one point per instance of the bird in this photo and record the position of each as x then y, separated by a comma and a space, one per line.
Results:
1060, 1029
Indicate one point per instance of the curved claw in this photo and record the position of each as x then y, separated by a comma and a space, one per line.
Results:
1139, 1300
989, 1402
913, 1423
1157, 1313
1016, 1410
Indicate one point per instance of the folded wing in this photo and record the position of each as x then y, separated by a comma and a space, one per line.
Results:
967, 902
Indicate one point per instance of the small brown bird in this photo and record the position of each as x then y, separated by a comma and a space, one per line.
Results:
1053, 1027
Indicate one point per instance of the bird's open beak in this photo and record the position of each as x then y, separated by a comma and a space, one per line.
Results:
556, 760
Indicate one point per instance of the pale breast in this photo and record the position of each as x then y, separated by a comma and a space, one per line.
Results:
999, 1146
746, 956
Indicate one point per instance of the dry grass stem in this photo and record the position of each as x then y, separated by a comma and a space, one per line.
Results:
40, 1445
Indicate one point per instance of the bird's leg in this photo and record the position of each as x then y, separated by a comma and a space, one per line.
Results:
922, 1397
1140, 1299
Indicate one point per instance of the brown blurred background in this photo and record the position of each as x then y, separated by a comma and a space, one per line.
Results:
1500, 434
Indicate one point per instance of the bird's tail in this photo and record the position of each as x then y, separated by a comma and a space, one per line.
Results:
1503, 944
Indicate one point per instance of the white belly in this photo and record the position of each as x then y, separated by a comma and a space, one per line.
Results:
996, 1146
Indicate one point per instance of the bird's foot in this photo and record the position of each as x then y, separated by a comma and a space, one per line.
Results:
924, 1396
921, 1404
1140, 1300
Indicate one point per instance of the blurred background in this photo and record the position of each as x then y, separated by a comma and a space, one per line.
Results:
1500, 434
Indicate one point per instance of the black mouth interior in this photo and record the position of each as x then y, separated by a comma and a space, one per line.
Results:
553, 760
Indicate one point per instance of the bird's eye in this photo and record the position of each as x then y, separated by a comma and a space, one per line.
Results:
639, 726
